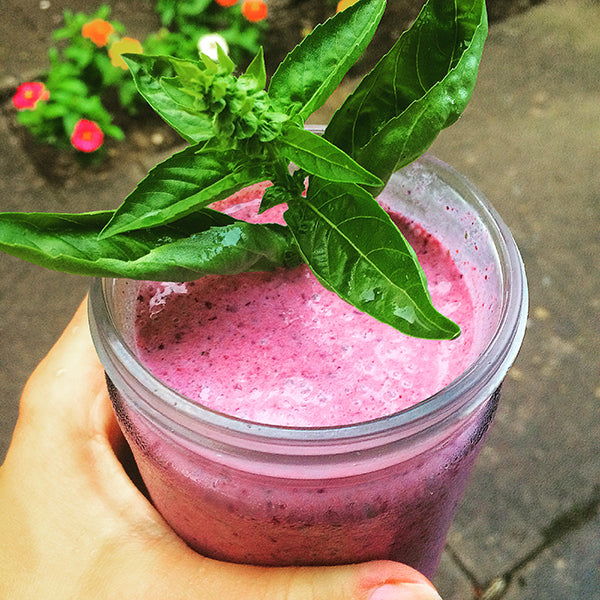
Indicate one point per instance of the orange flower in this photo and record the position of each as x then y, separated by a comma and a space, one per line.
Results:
254, 10
87, 136
342, 4
226, 2
28, 95
124, 46
98, 31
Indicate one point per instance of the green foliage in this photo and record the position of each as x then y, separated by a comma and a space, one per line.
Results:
240, 133
187, 181
80, 75
203, 100
204, 243
421, 86
84, 84
332, 50
184, 23
355, 249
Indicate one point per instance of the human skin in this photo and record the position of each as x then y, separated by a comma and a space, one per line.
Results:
73, 524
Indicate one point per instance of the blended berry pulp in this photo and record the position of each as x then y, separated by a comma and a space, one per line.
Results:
278, 349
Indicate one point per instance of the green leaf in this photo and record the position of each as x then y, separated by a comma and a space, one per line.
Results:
285, 187
312, 70
256, 73
204, 243
355, 249
152, 75
317, 156
114, 131
420, 87
222, 59
274, 196
188, 180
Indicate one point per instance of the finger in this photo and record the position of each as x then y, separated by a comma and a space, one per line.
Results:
66, 417
65, 402
377, 580
67, 439
68, 386
191, 576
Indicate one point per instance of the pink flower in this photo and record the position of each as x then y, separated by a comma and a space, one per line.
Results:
87, 136
29, 94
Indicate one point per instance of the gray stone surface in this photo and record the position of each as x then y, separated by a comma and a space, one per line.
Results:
567, 569
530, 139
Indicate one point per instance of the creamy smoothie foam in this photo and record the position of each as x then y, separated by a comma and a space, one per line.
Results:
279, 349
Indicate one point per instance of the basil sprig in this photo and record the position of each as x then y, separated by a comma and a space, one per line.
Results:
240, 132
421, 86
207, 242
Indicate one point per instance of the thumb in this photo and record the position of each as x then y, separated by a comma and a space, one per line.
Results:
376, 580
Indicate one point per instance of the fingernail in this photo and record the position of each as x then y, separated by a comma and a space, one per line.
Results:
404, 591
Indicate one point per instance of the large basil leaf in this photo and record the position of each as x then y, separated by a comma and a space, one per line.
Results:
356, 250
188, 180
314, 68
206, 242
317, 156
420, 87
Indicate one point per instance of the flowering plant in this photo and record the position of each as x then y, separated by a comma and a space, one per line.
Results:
81, 75
88, 79
186, 24
241, 132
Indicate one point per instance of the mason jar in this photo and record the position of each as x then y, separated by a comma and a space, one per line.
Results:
387, 488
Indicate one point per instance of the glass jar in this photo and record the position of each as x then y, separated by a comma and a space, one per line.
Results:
384, 489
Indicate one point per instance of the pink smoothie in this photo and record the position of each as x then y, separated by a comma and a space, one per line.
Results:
278, 348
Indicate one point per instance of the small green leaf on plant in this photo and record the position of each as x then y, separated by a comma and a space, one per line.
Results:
421, 86
317, 156
312, 70
187, 181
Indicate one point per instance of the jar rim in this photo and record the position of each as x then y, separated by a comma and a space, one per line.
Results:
479, 380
